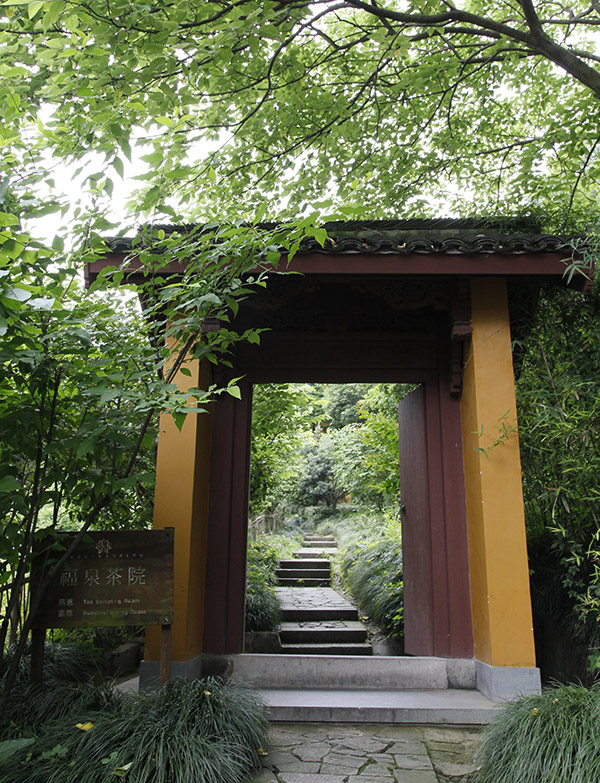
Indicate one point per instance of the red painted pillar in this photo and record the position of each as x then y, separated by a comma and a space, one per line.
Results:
228, 524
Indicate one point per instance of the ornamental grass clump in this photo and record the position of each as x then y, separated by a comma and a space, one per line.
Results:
372, 572
553, 737
263, 611
190, 731
68, 686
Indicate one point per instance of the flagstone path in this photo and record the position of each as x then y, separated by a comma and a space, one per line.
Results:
347, 753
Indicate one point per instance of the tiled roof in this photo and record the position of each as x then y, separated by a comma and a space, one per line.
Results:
403, 237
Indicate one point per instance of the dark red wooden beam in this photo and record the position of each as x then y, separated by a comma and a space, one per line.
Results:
537, 265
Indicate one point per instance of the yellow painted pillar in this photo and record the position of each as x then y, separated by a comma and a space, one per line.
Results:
181, 501
498, 565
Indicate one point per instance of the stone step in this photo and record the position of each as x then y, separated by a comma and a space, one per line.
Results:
311, 552
303, 573
306, 615
306, 562
327, 631
327, 648
328, 540
318, 535
427, 707
314, 603
318, 543
286, 581
359, 672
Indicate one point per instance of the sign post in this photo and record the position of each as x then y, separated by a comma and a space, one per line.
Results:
110, 578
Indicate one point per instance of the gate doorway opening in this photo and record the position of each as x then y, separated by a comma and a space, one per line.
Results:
325, 520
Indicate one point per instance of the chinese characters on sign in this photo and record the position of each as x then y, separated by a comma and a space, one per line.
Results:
111, 578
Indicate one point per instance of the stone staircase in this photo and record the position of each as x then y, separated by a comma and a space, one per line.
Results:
316, 619
316, 546
328, 672
362, 689
310, 566
304, 572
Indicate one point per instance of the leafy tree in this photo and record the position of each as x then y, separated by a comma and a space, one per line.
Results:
558, 394
280, 414
361, 457
387, 105
318, 482
341, 401
74, 376
83, 383
366, 454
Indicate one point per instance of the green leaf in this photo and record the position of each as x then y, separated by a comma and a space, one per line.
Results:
6, 219
34, 7
9, 484
42, 303
16, 294
118, 165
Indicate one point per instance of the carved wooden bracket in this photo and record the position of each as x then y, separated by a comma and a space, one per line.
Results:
461, 331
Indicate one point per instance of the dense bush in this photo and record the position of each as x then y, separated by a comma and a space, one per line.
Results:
317, 481
558, 397
101, 638
68, 670
372, 572
262, 606
550, 738
191, 730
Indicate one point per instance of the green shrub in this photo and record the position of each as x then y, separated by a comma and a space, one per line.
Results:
69, 671
206, 731
263, 612
62, 661
372, 572
262, 606
27, 712
549, 738
102, 638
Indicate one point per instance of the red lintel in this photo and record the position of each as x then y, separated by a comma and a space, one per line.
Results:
503, 265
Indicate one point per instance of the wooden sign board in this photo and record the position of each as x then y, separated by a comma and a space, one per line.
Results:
112, 578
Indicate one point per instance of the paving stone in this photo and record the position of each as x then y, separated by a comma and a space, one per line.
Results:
399, 732
449, 734
313, 751
415, 776
405, 761
450, 770
281, 758
280, 735
306, 767
411, 747
364, 745
263, 775
353, 750
345, 760
372, 778
379, 768
364, 753
299, 777
346, 733
333, 769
